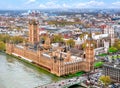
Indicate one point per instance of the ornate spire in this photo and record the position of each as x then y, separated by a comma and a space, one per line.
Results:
90, 35
61, 59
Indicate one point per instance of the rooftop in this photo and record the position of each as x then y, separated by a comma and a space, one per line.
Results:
113, 65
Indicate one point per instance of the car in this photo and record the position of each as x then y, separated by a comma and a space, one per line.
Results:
62, 82
59, 85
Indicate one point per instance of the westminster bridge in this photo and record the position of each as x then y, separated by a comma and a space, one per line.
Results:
66, 83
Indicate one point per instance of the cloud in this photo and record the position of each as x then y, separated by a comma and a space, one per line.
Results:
89, 4
49, 5
30, 1
96, 3
65, 5
116, 3
53, 5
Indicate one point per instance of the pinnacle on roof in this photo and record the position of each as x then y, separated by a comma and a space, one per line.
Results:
90, 35
33, 21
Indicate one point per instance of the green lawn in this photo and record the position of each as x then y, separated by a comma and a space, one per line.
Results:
75, 75
103, 54
98, 64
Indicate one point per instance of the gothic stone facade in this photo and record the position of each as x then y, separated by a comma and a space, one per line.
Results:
33, 31
56, 62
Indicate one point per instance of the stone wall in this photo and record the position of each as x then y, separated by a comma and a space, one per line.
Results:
35, 56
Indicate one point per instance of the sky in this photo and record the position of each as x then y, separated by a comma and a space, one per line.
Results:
55, 4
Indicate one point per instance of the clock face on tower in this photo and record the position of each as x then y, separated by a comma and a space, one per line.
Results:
87, 44
91, 45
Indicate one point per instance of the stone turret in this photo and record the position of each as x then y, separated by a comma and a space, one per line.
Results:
33, 31
9, 48
68, 56
47, 43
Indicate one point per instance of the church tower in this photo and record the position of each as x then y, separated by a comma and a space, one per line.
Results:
33, 31
89, 55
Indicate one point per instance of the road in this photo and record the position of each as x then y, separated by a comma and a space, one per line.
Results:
69, 82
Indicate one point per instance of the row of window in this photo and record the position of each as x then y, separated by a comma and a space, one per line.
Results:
71, 68
112, 72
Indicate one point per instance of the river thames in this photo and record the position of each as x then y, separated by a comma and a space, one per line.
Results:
18, 74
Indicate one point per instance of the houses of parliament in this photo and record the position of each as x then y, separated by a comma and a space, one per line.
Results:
55, 60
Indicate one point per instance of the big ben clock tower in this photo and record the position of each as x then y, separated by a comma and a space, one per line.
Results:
89, 55
33, 31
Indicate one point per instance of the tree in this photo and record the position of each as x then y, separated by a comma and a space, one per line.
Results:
4, 38
105, 80
17, 39
57, 39
82, 35
2, 46
84, 45
117, 44
70, 42
113, 49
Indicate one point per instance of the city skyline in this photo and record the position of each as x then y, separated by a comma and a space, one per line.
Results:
58, 4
